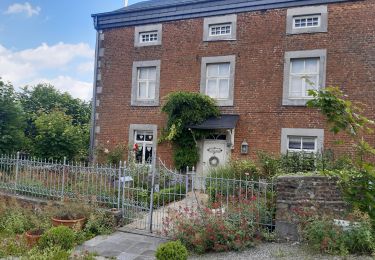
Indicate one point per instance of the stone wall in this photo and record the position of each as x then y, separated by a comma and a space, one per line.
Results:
316, 193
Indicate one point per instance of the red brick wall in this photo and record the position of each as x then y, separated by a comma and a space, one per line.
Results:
259, 49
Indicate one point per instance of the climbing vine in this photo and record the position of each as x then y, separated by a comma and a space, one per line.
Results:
184, 109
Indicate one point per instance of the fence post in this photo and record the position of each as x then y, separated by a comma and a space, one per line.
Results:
152, 198
63, 181
119, 186
17, 170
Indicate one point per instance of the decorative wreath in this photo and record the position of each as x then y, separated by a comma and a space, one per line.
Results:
213, 161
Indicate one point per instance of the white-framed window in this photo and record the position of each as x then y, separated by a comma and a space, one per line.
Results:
304, 75
307, 140
217, 80
147, 37
146, 82
306, 144
143, 143
220, 29
307, 19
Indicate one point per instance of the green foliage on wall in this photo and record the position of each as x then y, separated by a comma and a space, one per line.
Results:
184, 109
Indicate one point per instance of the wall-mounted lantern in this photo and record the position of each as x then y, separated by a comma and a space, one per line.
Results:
244, 147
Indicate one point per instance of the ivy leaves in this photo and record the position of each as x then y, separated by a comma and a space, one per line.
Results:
184, 109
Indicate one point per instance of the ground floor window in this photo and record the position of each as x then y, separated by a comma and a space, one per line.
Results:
302, 143
143, 145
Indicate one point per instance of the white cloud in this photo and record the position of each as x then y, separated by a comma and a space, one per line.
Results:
77, 88
43, 63
26, 8
87, 67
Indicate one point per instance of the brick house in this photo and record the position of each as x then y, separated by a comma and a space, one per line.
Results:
253, 57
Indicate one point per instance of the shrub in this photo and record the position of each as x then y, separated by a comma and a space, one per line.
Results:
164, 196
99, 222
49, 253
323, 235
15, 222
60, 236
205, 230
173, 250
12, 246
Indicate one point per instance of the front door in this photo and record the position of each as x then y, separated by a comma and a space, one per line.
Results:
214, 155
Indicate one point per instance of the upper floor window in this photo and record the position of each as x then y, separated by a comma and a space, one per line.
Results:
220, 28
309, 19
304, 75
148, 35
306, 21
145, 37
217, 80
145, 83
303, 70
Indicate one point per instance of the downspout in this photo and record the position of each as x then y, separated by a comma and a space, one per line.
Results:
93, 103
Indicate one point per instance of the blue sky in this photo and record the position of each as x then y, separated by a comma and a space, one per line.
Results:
50, 41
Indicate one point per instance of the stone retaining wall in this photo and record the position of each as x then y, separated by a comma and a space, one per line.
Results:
316, 193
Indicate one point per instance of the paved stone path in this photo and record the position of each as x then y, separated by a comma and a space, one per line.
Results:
124, 246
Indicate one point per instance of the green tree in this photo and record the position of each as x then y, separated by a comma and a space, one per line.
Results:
57, 136
12, 121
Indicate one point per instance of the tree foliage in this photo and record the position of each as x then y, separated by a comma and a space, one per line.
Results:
43, 122
357, 183
11, 120
184, 109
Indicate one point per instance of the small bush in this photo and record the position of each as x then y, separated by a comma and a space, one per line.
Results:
49, 253
99, 222
60, 236
12, 246
173, 250
15, 222
324, 235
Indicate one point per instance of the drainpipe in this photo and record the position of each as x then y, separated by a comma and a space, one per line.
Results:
93, 103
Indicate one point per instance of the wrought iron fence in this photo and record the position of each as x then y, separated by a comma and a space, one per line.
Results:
56, 180
145, 196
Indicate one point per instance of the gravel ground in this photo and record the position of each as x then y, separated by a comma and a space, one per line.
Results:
274, 251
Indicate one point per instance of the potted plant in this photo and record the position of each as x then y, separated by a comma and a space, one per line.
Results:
72, 215
32, 236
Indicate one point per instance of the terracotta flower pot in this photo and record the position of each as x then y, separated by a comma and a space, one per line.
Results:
76, 224
33, 236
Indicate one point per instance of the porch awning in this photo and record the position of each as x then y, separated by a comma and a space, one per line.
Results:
220, 122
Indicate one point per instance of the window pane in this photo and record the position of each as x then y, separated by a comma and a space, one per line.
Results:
224, 88
308, 143
212, 70
140, 137
224, 69
297, 65
142, 73
148, 154
151, 89
294, 142
149, 137
311, 65
152, 73
139, 153
296, 86
312, 82
212, 88
142, 90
